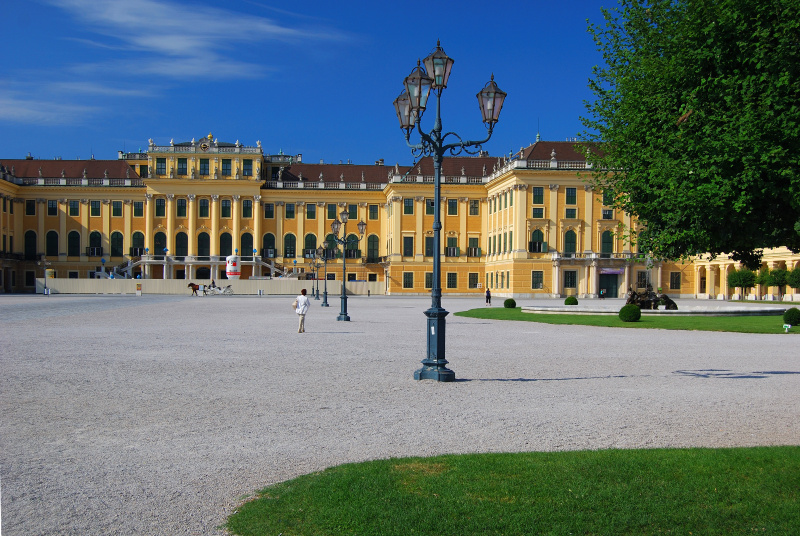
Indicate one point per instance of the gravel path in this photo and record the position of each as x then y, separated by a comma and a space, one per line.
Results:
159, 414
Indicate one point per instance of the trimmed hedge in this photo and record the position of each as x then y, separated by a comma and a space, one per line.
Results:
509, 303
571, 300
792, 316
630, 313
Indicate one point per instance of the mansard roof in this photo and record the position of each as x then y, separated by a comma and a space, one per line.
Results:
565, 150
377, 174
73, 169
455, 166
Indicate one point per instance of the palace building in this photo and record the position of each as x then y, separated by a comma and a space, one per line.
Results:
526, 226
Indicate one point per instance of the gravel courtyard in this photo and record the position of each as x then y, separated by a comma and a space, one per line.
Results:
157, 415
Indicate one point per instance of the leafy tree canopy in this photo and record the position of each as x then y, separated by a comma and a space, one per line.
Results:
697, 107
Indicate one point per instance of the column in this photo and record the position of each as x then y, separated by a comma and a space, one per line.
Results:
419, 233
84, 228
127, 215
300, 218
192, 212
554, 239
595, 278
63, 206
215, 227
148, 222
105, 214
41, 209
556, 279
171, 223
588, 217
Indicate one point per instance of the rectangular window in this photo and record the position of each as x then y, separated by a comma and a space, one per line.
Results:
352, 212
180, 208
511, 199
94, 208
225, 208
429, 246
332, 212
269, 210
52, 207
473, 280
408, 279
538, 213
138, 209
474, 207
538, 195
452, 207
247, 168
72, 274
674, 280
204, 166
572, 196
408, 246
30, 207
202, 208
537, 279
5, 205
311, 211
571, 213
505, 244
373, 212
452, 280
116, 209
182, 166
226, 167
608, 198
161, 207
289, 211
143, 171
428, 279
429, 206
75, 208
161, 166
570, 279
247, 208
608, 214
641, 279
408, 205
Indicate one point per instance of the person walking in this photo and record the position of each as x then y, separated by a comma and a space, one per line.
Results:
488, 297
301, 308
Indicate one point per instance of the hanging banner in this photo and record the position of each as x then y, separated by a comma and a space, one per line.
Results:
612, 270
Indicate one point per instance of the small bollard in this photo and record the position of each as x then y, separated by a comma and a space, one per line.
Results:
787, 327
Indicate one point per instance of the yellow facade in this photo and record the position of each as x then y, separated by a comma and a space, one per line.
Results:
525, 227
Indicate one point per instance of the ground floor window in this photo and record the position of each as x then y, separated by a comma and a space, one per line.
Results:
674, 280
30, 278
372, 277
351, 277
473, 280
72, 274
570, 279
537, 279
641, 279
331, 277
408, 279
452, 280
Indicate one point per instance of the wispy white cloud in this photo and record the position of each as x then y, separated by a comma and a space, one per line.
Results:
41, 112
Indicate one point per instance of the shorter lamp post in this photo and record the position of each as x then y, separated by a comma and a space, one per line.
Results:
103, 262
322, 251
344, 242
316, 264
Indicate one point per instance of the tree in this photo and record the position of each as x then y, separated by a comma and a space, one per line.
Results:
697, 108
793, 278
744, 279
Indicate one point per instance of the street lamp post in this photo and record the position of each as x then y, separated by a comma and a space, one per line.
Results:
322, 251
344, 242
410, 106
317, 264
44, 263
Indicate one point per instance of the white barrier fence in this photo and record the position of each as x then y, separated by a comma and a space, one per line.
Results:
179, 286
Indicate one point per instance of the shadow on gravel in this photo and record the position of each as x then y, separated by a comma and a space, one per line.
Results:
730, 375
544, 379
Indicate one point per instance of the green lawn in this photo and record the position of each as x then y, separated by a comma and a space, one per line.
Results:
739, 324
663, 491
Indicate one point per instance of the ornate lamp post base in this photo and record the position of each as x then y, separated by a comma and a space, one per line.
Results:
343, 311
434, 366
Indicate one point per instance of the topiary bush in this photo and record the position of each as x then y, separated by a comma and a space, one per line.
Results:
792, 316
571, 300
509, 303
630, 313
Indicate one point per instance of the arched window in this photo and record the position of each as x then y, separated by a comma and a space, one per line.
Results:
289, 245
333, 247
159, 243
570, 243
74, 244
373, 248
352, 247
203, 245
30, 246
116, 244
247, 245
268, 246
95, 239
51, 244
181, 244
137, 241
310, 242
537, 244
225, 244
606, 244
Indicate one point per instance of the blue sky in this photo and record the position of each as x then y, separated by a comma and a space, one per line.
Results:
83, 77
